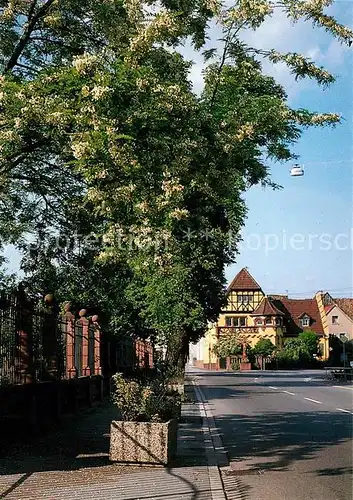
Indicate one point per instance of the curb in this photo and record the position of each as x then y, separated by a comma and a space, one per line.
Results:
215, 452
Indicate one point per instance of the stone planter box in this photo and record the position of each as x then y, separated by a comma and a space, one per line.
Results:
244, 367
143, 442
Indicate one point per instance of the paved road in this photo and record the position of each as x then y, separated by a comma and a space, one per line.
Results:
288, 434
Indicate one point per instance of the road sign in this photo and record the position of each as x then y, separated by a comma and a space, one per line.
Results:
351, 363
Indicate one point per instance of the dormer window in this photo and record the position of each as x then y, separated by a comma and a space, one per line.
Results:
305, 321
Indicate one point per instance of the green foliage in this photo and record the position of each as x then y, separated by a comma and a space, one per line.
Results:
298, 351
235, 365
263, 347
101, 134
310, 340
228, 345
144, 402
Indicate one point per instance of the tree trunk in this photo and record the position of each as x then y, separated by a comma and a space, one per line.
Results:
178, 350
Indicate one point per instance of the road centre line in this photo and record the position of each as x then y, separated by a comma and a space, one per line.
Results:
291, 393
345, 411
343, 387
270, 386
314, 401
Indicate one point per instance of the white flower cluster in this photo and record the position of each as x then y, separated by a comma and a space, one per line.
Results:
161, 27
179, 213
246, 131
99, 91
80, 149
85, 63
251, 12
169, 187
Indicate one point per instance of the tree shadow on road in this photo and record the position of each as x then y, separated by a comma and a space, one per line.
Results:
276, 440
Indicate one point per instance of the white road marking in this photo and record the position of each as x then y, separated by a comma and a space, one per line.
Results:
313, 401
291, 393
273, 387
343, 387
345, 411
307, 379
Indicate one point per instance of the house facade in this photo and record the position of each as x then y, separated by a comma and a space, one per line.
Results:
254, 316
338, 315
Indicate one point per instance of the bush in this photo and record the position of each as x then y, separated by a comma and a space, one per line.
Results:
264, 347
144, 401
235, 365
310, 342
228, 345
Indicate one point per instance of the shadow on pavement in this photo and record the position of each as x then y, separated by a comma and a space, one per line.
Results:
83, 442
276, 440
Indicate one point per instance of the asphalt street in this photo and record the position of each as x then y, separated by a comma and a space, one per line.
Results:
288, 434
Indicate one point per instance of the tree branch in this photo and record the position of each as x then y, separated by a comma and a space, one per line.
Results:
12, 161
32, 20
20, 65
229, 38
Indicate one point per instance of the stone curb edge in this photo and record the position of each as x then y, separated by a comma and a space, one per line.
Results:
215, 452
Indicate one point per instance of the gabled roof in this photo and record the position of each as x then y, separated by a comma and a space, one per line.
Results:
328, 309
267, 308
294, 309
244, 281
304, 314
346, 305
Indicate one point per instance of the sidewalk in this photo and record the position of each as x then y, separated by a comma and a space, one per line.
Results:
72, 463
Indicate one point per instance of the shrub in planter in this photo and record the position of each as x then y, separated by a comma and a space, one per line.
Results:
147, 430
235, 366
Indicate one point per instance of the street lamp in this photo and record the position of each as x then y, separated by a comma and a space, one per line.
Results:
297, 171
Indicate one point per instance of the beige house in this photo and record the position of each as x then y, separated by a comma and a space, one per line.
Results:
254, 316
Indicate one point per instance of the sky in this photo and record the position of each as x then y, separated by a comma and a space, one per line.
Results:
299, 240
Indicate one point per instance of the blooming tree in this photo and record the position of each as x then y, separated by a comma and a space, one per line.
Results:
100, 128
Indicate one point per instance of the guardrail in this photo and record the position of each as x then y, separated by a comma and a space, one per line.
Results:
338, 373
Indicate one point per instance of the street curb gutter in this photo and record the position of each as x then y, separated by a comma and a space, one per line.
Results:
215, 453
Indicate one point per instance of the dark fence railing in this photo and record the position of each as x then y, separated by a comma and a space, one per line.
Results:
40, 344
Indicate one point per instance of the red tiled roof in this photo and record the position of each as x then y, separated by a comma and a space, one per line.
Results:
267, 308
243, 281
346, 305
329, 308
294, 309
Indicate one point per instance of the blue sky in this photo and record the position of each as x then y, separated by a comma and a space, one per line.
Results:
318, 207
300, 239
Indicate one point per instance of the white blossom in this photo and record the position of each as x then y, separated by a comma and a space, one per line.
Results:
85, 63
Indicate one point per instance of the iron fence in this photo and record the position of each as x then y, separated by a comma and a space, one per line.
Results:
38, 344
